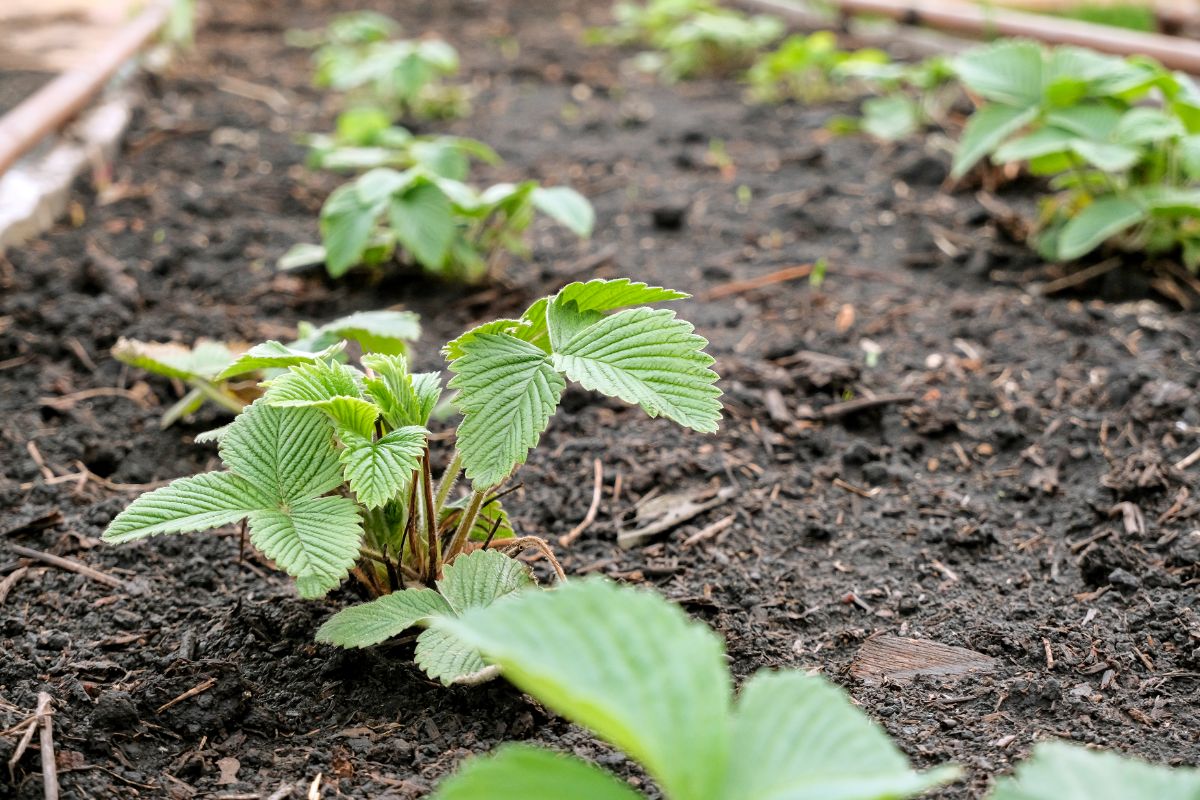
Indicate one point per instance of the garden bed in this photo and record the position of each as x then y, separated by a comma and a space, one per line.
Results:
1016, 496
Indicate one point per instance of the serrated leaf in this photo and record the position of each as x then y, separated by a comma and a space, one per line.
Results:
274, 355
445, 658
567, 207
203, 361
478, 579
798, 737
211, 436
624, 663
488, 516
378, 470
424, 223
306, 384
315, 540
649, 358
610, 295
287, 453
507, 392
1093, 226
520, 772
196, 503
387, 332
984, 131
1009, 72
1059, 771
518, 328
404, 398
347, 224
370, 623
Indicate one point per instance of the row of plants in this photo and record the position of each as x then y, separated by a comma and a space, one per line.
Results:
329, 467
1116, 140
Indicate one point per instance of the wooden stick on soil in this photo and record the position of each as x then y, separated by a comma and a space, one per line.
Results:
779, 276
590, 517
200, 688
49, 767
10, 581
69, 565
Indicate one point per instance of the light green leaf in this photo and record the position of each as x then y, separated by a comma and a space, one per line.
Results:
404, 398
273, 355
386, 332
1141, 125
1189, 155
1059, 771
1169, 201
287, 453
202, 361
351, 416
610, 295
378, 470
347, 224
1009, 72
1093, 226
315, 540
891, 118
1042, 142
567, 207
479, 578
301, 254
520, 772
308, 384
445, 658
1105, 156
649, 358
197, 503
507, 392
370, 623
1093, 121
798, 737
424, 223
624, 663
984, 131
488, 516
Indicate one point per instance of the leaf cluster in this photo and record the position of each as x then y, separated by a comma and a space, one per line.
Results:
810, 68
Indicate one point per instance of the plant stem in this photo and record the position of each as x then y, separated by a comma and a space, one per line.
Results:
449, 477
220, 396
465, 524
410, 526
435, 551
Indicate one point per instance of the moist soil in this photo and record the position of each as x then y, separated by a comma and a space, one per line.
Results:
1014, 492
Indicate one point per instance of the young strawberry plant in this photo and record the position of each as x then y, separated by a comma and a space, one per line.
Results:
691, 38
227, 373
1118, 139
633, 669
332, 468
447, 227
365, 138
808, 68
1059, 771
358, 54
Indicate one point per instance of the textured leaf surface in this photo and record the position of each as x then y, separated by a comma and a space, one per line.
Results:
315, 540
379, 620
622, 662
377, 331
274, 355
1008, 72
567, 207
480, 578
1059, 771
196, 503
377, 470
287, 453
1091, 227
404, 398
610, 295
520, 772
507, 392
306, 384
444, 657
797, 737
424, 223
204, 360
649, 358
347, 223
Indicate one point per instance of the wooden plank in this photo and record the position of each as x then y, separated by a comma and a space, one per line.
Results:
898, 659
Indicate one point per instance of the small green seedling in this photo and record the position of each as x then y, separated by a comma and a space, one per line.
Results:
358, 54
1119, 140
808, 68
1059, 771
691, 38
365, 138
633, 669
227, 373
331, 466
445, 226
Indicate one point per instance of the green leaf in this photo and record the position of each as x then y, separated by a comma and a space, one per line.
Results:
1059, 771
488, 516
1009, 72
1105, 156
347, 224
1100, 221
892, 117
202, 361
798, 737
622, 662
424, 223
444, 657
610, 295
1042, 142
287, 453
378, 470
507, 392
984, 131
1169, 201
649, 358
1092, 121
567, 207
310, 383
370, 623
1189, 155
301, 254
273, 355
404, 398
1142, 125
197, 503
315, 540
386, 332
520, 772
478, 579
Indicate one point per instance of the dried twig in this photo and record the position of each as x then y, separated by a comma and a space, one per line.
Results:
709, 531
49, 767
200, 688
739, 287
1081, 277
838, 410
10, 581
685, 510
69, 565
590, 517
537, 543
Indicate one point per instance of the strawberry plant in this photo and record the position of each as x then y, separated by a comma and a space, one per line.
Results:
1059, 771
691, 37
1118, 139
332, 468
365, 138
227, 373
444, 225
358, 54
807, 68
633, 669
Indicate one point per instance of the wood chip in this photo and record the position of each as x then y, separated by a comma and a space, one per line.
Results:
898, 659
675, 509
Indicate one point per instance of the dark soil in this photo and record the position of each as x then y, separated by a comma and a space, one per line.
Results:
984, 510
